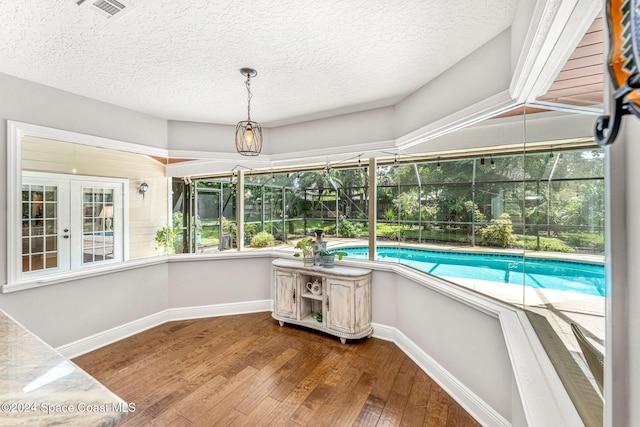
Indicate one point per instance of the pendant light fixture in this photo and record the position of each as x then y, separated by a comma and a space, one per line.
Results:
248, 133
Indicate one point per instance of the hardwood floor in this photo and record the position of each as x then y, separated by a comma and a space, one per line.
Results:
247, 370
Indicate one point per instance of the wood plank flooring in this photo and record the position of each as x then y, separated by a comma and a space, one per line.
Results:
246, 370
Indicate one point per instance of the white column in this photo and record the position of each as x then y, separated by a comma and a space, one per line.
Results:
373, 203
622, 360
240, 211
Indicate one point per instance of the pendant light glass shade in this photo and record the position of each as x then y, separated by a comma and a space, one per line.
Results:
248, 132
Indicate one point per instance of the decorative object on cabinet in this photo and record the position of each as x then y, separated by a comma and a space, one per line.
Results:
319, 246
342, 309
306, 246
315, 288
328, 259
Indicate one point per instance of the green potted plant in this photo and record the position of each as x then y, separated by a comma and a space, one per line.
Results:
306, 245
328, 259
165, 238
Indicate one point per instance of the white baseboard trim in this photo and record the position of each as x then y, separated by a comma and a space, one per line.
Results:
184, 313
471, 402
95, 341
384, 332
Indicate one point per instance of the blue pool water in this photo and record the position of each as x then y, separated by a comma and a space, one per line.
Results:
583, 278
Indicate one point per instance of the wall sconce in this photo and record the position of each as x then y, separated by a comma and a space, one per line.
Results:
143, 188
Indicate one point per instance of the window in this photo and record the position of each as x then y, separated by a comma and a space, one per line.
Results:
70, 222
62, 183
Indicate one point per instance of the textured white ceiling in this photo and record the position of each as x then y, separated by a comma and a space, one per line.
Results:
180, 59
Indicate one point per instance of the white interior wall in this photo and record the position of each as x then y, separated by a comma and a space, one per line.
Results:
335, 132
466, 342
29, 102
212, 281
205, 137
384, 304
481, 75
74, 310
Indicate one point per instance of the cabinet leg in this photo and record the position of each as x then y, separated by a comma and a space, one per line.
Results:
343, 340
281, 322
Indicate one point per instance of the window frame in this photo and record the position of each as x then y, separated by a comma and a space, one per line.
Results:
16, 131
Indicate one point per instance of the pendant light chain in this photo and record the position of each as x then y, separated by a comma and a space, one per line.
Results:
249, 96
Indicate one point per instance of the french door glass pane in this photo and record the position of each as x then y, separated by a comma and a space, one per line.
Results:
39, 233
97, 224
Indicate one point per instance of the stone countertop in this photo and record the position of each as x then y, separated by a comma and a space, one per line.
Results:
40, 387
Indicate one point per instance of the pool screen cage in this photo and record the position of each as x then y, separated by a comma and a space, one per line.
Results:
551, 199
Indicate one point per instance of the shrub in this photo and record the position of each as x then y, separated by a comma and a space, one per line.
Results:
262, 240
407, 204
478, 217
349, 229
546, 244
249, 232
272, 227
395, 232
330, 230
390, 214
595, 241
499, 232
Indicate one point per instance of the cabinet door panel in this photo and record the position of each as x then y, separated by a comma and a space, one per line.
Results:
362, 305
340, 302
285, 297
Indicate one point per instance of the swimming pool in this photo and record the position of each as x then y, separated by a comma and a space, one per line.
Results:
583, 278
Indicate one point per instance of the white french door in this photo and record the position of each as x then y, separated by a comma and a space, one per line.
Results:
70, 222
45, 223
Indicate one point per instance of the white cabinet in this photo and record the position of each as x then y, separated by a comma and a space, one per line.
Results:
343, 308
284, 300
340, 305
